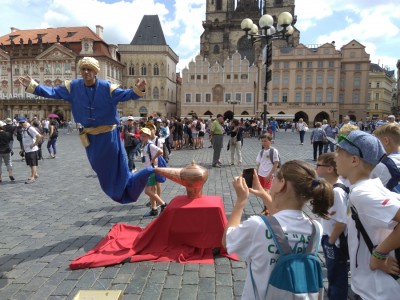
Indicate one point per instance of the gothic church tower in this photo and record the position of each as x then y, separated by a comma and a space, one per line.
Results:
222, 34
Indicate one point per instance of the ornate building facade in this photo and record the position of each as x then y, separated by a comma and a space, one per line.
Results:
148, 56
380, 92
49, 56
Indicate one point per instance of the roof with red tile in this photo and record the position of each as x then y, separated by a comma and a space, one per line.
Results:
49, 35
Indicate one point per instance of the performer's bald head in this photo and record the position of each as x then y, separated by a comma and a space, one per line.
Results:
90, 63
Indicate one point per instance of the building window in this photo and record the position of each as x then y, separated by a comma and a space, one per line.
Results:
156, 94
244, 76
299, 64
308, 79
358, 67
228, 76
198, 98
342, 82
86, 47
356, 97
192, 77
204, 77
309, 64
216, 49
285, 80
275, 79
235, 76
276, 65
286, 65
238, 97
188, 98
320, 79
378, 85
318, 97
341, 98
369, 85
357, 82
284, 97
320, 64
275, 97
330, 79
208, 98
376, 106
299, 79
249, 97
331, 64
131, 70
342, 67
58, 68
47, 69
298, 97
156, 70
143, 70
308, 97
377, 96
329, 96
198, 77
228, 97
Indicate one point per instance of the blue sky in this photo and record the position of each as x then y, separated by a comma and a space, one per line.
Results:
375, 24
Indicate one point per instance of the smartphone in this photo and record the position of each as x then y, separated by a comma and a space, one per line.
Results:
248, 176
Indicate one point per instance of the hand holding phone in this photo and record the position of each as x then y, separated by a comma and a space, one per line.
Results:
248, 176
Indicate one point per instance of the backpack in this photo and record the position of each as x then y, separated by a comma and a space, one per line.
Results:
296, 275
40, 140
393, 184
55, 132
198, 125
344, 245
271, 156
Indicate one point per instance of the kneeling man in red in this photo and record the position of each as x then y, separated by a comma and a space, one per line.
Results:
187, 231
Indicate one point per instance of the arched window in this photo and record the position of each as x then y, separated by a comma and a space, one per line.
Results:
156, 94
131, 69
144, 70
219, 5
216, 49
156, 70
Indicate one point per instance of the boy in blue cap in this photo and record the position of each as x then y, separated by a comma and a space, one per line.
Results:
378, 210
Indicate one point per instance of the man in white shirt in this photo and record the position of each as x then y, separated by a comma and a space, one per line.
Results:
30, 140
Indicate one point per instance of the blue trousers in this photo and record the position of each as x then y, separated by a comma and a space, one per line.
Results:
302, 133
337, 271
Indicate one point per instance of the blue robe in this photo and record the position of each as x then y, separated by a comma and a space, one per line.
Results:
95, 106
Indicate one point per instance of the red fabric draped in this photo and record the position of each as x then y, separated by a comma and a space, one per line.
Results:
186, 232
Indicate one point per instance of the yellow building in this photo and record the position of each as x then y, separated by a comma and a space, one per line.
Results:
380, 92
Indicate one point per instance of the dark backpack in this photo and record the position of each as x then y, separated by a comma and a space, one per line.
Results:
393, 184
296, 275
198, 125
271, 156
344, 245
55, 132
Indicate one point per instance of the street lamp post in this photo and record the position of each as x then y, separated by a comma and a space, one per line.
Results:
283, 31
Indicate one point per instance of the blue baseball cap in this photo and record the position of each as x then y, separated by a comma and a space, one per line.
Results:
21, 120
362, 144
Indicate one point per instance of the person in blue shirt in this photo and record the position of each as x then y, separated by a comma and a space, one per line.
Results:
274, 127
94, 105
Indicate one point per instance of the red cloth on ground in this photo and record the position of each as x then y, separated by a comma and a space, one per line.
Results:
186, 232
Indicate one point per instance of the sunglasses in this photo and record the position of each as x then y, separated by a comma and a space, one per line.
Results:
343, 137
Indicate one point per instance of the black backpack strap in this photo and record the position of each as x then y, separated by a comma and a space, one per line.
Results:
394, 172
277, 234
342, 186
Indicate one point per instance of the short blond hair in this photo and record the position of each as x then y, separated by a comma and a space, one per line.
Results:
347, 128
391, 130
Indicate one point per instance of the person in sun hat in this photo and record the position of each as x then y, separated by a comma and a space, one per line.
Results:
378, 211
94, 105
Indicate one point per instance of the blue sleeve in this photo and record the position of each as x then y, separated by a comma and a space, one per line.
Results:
57, 92
122, 95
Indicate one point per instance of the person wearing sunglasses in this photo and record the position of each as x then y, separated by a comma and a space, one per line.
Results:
378, 210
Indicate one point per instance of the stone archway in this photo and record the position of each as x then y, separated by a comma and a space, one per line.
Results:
228, 115
321, 116
301, 114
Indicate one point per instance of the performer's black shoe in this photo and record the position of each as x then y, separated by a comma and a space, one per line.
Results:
151, 213
163, 207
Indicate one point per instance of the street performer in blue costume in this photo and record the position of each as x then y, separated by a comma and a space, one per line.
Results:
94, 105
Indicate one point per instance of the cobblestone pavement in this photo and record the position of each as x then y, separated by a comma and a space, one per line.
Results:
45, 225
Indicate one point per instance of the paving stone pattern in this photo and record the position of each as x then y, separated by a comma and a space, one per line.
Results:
45, 225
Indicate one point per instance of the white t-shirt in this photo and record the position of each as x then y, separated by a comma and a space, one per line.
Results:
252, 242
145, 153
338, 211
376, 207
382, 172
28, 140
265, 164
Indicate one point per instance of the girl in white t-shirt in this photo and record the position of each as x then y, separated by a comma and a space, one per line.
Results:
295, 184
